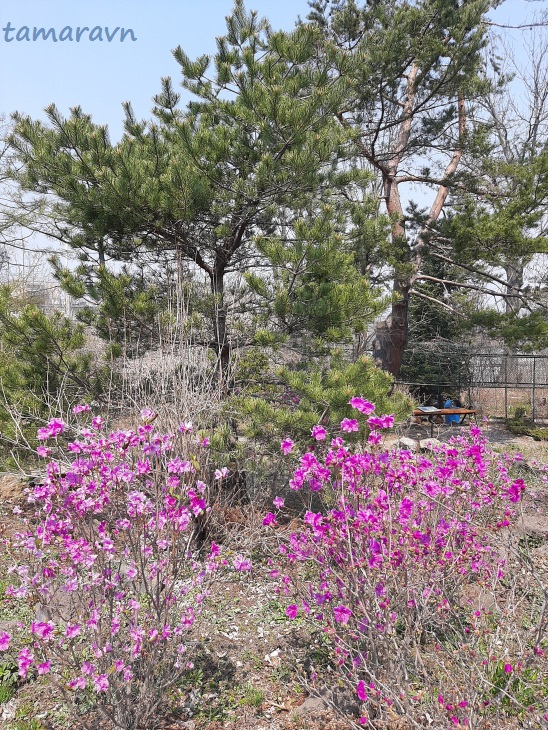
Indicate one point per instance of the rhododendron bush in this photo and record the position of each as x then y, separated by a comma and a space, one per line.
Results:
412, 577
108, 560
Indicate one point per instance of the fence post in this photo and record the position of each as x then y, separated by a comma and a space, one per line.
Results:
534, 378
506, 387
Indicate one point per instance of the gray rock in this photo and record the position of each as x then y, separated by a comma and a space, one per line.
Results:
406, 443
429, 444
311, 706
7, 711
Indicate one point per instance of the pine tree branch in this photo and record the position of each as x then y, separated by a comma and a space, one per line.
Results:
437, 302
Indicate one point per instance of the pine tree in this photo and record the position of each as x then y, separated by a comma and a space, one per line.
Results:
242, 160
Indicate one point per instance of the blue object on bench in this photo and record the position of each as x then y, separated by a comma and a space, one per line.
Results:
453, 417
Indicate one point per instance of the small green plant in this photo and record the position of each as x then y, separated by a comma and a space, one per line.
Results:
8, 673
252, 696
518, 689
24, 720
6, 693
8, 680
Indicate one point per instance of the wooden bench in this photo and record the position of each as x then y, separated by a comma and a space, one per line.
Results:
430, 413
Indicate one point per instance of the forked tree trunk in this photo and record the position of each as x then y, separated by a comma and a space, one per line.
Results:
391, 336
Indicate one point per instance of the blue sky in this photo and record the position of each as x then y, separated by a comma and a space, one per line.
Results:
99, 76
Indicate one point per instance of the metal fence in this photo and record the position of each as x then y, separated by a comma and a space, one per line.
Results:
499, 385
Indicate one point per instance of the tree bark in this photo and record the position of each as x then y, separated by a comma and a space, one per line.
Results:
221, 344
392, 334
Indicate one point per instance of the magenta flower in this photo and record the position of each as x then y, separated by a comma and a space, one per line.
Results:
342, 614
101, 683
147, 414
374, 438
287, 446
381, 421
78, 683
292, 611
362, 405
278, 502
515, 490
72, 631
360, 691
349, 425
24, 661
508, 668
87, 668
54, 428
319, 433
4, 641
215, 550
43, 451
80, 408
43, 668
42, 629
241, 563
269, 519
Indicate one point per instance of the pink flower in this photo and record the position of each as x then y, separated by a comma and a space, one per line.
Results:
42, 629
381, 421
43, 668
319, 433
101, 683
278, 502
349, 424
287, 446
4, 641
362, 405
54, 428
241, 563
360, 691
80, 408
215, 550
24, 660
203, 442
78, 683
147, 414
97, 422
292, 611
43, 451
374, 438
72, 631
515, 490
221, 473
342, 614
186, 427
269, 519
